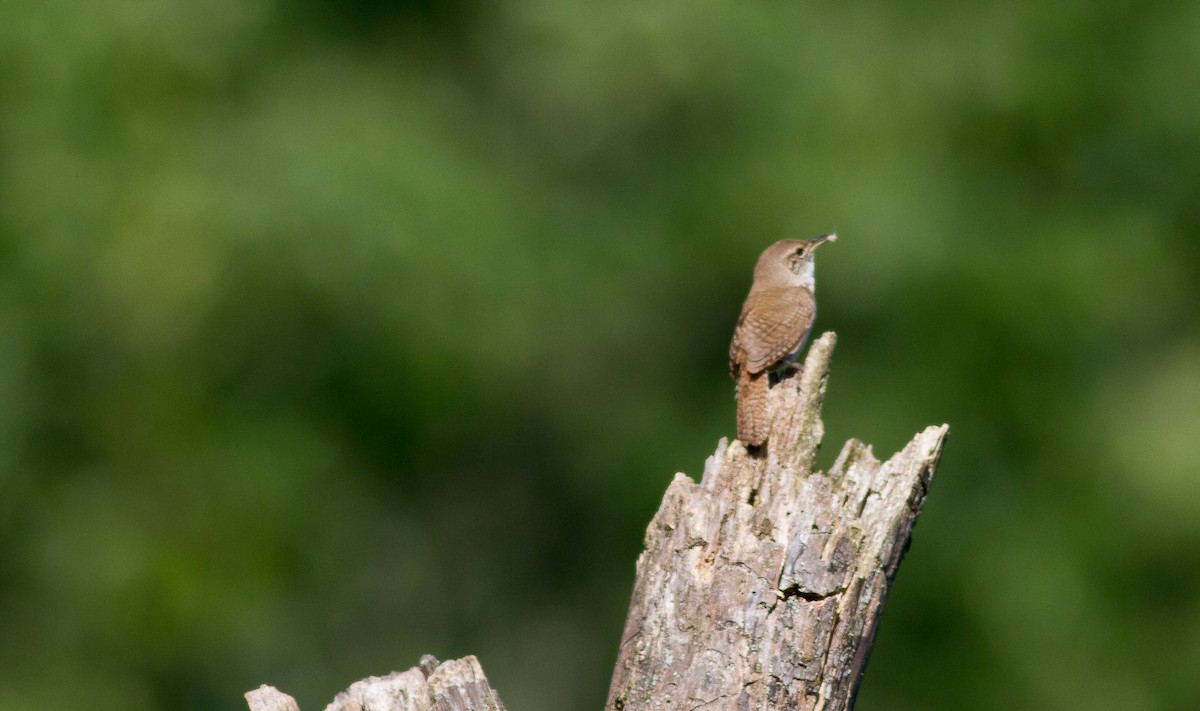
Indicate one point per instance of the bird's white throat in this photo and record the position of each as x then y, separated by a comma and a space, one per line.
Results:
806, 277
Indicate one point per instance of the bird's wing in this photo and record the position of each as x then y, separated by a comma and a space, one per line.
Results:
772, 326
735, 347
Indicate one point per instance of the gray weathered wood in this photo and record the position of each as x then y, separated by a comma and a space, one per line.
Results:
761, 586
454, 685
268, 698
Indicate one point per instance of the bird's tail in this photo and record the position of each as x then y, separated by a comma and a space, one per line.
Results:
752, 422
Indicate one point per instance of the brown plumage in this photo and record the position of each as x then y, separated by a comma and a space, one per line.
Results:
772, 328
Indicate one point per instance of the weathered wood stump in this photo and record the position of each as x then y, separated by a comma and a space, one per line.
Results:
760, 587
454, 685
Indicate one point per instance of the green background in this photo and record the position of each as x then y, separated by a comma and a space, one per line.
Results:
335, 333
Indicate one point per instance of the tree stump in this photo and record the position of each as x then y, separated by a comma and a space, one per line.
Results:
760, 587
455, 685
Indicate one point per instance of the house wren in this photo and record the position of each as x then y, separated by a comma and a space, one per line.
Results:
774, 324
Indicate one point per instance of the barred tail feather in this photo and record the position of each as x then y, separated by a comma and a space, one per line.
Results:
752, 422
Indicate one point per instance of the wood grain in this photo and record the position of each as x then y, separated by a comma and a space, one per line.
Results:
761, 586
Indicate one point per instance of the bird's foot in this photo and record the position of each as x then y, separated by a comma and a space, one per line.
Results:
787, 370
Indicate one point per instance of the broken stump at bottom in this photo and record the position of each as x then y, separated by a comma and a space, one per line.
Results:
454, 685
761, 586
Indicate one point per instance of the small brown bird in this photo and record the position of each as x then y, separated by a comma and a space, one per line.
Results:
774, 324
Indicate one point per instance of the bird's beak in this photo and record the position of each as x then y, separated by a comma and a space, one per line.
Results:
818, 241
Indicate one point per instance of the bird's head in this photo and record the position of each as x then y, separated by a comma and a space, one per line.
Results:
790, 261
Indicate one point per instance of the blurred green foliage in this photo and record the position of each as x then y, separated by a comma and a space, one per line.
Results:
337, 333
